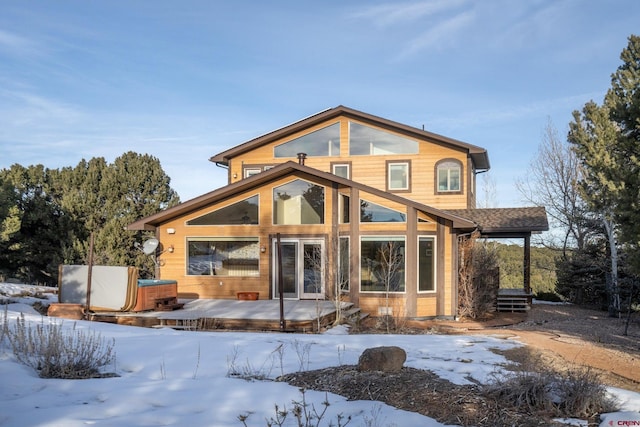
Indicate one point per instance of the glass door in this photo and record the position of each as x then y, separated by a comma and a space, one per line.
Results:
302, 268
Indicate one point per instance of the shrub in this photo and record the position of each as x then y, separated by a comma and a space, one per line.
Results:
535, 388
56, 353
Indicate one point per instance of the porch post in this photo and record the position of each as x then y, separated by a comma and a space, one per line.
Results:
527, 263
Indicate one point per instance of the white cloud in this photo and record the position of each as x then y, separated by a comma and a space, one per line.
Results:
15, 44
445, 33
389, 14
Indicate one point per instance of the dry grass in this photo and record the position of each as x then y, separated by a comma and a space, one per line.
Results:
55, 352
530, 395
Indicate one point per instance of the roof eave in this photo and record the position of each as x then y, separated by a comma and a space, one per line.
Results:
478, 154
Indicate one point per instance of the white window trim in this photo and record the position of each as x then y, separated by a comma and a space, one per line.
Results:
435, 264
401, 238
407, 166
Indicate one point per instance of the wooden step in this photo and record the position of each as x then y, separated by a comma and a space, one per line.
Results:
167, 304
512, 304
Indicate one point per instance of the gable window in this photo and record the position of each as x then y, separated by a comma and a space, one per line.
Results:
240, 213
322, 142
398, 175
448, 173
366, 140
372, 212
223, 256
382, 264
298, 202
426, 265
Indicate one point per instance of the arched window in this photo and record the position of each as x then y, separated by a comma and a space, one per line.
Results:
448, 176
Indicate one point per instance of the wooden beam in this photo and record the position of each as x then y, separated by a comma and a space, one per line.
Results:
527, 263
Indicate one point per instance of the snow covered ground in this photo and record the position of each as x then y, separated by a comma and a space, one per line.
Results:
180, 378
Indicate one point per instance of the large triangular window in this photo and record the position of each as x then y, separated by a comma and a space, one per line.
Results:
244, 212
322, 142
372, 212
366, 140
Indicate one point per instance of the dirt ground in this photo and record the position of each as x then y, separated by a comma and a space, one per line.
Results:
567, 336
559, 337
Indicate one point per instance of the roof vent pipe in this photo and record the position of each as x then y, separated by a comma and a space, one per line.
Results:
301, 158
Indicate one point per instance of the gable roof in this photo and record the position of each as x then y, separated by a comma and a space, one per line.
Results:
478, 155
506, 220
284, 169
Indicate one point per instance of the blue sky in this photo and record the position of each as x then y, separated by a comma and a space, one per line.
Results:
184, 80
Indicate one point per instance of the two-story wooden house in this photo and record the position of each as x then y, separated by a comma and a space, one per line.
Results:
341, 202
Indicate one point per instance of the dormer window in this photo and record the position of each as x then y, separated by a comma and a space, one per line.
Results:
448, 173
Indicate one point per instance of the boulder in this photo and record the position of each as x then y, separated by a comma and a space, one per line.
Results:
385, 359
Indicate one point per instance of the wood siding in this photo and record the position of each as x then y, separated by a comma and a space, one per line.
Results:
371, 169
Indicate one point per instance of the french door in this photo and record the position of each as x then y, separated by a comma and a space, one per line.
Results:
302, 268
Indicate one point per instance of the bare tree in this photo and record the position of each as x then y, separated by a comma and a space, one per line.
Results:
489, 192
552, 181
391, 268
333, 275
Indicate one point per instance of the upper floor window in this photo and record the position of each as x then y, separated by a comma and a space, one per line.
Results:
365, 140
249, 172
298, 202
341, 169
240, 213
448, 173
398, 175
322, 142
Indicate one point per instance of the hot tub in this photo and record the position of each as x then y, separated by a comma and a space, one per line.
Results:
150, 291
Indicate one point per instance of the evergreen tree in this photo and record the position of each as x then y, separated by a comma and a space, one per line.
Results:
623, 102
34, 228
134, 186
607, 141
47, 216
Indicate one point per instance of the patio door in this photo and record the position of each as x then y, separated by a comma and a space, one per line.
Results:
302, 268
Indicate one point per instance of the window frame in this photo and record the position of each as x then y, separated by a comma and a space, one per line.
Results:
362, 221
187, 222
389, 164
248, 172
434, 258
252, 239
274, 201
329, 152
345, 164
341, 267
439, 166
383, 238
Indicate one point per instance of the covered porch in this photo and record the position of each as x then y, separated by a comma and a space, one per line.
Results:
512, 224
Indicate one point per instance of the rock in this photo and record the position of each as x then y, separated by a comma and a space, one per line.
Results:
385, 359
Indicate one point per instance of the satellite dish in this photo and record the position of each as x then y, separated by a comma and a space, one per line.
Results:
150, 246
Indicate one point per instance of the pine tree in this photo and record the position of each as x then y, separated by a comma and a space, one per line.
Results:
607, 141
623, 101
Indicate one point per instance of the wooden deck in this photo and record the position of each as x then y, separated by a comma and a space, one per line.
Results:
213, 314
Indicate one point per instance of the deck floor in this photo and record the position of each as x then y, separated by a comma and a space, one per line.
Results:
303, 315
294, 310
